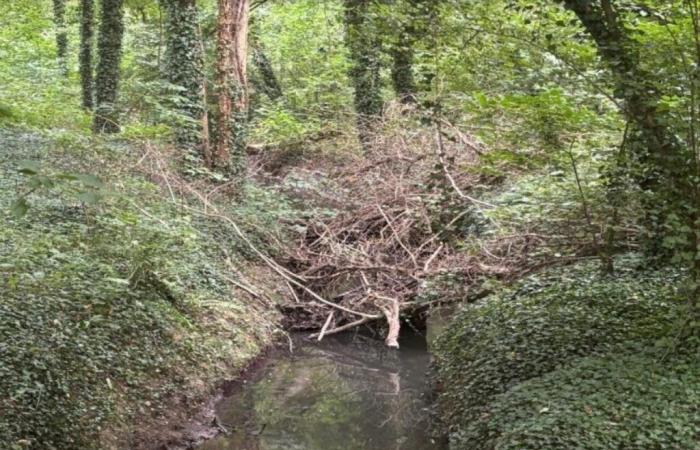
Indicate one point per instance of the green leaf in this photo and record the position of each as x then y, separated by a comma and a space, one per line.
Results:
89, 180
28, 167
19, 207
67, 176
89, 197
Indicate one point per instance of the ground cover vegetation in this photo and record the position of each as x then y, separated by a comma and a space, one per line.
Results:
179, 177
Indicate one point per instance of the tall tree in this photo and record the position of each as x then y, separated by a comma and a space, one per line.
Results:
87, 34
635, 87
364, 44
232, 48
660, 165
109, 52
184, 68
59, 17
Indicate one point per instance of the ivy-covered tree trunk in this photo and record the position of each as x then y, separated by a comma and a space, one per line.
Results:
414, 19
402, 55
270, 86
109, 52
87, 34
59, 18
363, 42
657, 156
184, 68
232, 48
634, 86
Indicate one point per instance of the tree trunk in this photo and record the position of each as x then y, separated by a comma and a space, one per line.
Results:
109, 51
402, 67
634, 87
655, 152
59, 18
365, 47
270, 86
184, 68
87, 27
232, 48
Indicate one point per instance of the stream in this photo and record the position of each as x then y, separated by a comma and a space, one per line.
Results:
348, 392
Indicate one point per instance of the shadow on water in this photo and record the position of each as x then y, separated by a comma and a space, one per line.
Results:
346, 393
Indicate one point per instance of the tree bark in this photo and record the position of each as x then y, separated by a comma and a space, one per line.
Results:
109, 50
232, 48
87, 33
656, 154
184, 68
59, 18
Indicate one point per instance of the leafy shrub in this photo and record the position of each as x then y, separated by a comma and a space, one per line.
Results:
544, 323
618, 401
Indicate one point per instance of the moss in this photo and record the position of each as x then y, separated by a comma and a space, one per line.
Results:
546, 322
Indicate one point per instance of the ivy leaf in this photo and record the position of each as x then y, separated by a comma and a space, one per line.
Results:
89, 197
28, 167
19, 207
67, 176
89, 180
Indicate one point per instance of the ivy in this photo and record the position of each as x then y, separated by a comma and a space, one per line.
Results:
545, 322
184, 69
109, 52
87, 24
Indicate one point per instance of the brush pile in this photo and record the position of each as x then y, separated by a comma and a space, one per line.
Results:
407, 205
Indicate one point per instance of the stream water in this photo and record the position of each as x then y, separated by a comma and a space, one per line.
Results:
347, 392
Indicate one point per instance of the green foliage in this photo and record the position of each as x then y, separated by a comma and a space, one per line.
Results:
108, 311
34, 91
364, 45
267, 78
303, 41
86, 188
624, 401
545, 322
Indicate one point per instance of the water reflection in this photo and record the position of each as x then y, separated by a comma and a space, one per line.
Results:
346, 393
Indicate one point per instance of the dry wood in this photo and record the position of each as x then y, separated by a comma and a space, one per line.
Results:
369, 263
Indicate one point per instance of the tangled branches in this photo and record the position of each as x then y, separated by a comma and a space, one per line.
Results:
407, 209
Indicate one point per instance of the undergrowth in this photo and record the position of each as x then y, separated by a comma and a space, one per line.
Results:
114, 308
522, 349
622, 400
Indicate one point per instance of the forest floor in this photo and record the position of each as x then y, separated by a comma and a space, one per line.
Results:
123, 298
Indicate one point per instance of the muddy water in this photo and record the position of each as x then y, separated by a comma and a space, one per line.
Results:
345, 393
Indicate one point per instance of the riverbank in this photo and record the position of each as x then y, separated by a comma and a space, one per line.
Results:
122, 298
571, 356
